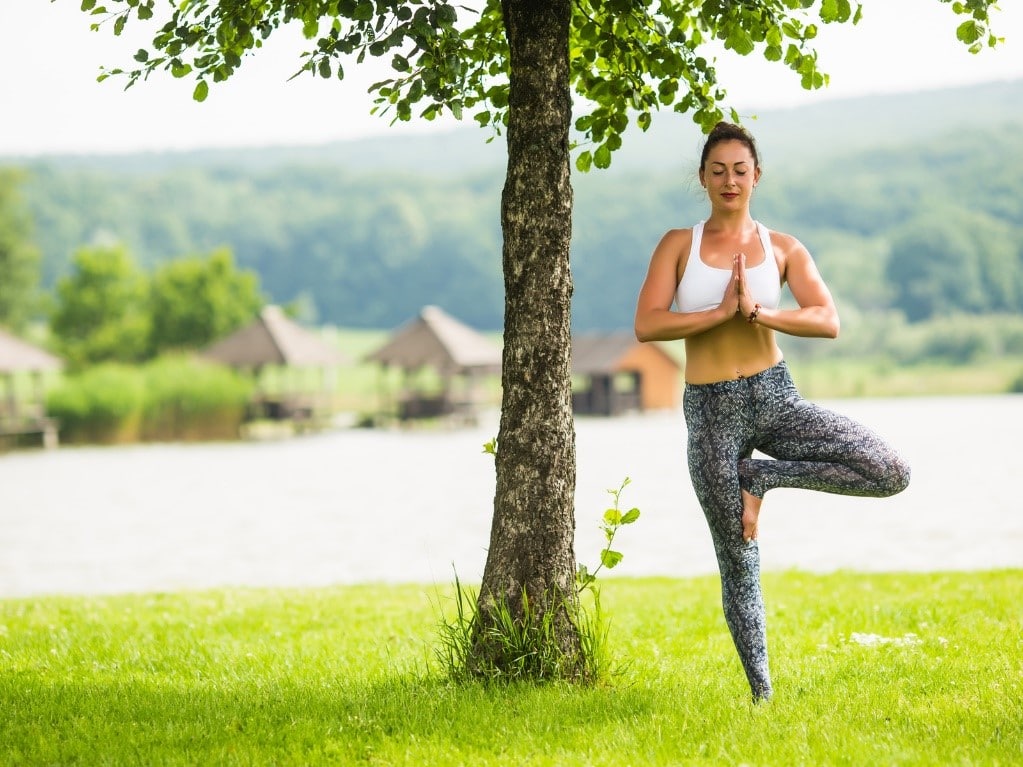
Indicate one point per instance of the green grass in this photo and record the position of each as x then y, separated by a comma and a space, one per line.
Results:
845, 378
347, 676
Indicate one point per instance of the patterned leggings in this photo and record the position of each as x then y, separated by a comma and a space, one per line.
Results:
813, 448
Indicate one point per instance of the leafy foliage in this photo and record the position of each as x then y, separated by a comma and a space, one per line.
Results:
169, 398
19, 257
108, 309
100, 313
614, 519
949, 260
194, 301
99, 404
627, 57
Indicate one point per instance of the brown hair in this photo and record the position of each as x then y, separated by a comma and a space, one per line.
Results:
725, 131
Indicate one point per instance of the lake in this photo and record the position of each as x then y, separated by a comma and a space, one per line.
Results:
357, 505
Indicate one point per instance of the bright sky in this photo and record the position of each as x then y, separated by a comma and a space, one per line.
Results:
50, 101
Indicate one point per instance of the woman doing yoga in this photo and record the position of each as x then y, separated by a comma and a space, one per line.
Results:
724, 278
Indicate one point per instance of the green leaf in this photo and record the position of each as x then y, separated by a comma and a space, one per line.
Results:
969, 31
88, 5
610, 558
446, 15
363, 11
602, 157
739, 41
202, 90
584, 162
613, 517
142, 55
630, 516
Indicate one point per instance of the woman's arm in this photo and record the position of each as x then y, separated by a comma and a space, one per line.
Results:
655, 320
817, 316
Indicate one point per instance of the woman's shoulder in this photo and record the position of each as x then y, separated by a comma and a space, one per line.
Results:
679, 236
677, 241
789, 252
785, 244
686, 231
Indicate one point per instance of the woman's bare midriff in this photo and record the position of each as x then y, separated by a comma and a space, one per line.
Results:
734, 349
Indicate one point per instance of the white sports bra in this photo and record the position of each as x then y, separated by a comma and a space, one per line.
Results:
702, 287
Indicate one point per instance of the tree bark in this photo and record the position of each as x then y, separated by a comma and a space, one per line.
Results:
532, 536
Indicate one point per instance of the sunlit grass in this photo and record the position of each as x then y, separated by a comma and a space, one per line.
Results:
870, 378
870, 669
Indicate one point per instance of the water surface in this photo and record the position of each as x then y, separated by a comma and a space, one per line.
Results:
357, 505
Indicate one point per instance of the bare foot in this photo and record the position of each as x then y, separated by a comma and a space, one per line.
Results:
750, 515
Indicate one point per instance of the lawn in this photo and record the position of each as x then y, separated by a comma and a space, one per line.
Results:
869, 669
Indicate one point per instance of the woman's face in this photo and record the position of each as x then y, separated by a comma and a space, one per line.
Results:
729, 175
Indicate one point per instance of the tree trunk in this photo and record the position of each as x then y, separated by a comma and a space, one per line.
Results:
531, 542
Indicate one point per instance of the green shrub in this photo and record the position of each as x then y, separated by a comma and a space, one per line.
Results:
1016, 387
171, 398
101, 404
188, 399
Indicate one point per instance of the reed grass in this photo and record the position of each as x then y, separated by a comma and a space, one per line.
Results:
870, 669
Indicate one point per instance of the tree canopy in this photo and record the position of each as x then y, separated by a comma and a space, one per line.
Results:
195, 301
100, 313
627, 58
109, 309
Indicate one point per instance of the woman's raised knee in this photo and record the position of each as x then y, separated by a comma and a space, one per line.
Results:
896, 476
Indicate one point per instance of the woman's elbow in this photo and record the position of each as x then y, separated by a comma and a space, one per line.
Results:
643, 329
827, 323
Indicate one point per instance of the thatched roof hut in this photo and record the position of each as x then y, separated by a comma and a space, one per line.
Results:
436, 339
25, 420
458, 353
273, 338
17, 356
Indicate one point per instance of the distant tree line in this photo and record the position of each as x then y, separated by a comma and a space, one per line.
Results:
926, 230
19, 256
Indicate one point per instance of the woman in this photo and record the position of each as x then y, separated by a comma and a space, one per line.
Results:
724, 277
